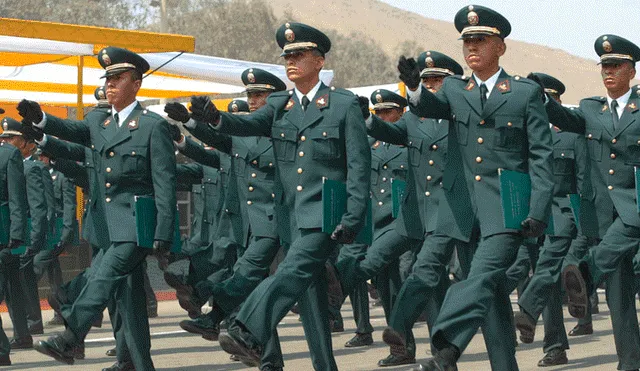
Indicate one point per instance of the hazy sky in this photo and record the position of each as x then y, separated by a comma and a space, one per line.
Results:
571, 25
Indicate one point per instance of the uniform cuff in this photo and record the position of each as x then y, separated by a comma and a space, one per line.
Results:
43, 141
191, 124
414, 96
182, 144
42, 123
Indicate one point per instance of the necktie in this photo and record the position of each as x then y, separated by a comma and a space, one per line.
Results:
614, 113
483, 94
305, 103
117, 118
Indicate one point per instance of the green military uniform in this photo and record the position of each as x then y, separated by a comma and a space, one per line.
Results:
612, 146
254, 161
12, 197
308, 144
135, 158
507, 128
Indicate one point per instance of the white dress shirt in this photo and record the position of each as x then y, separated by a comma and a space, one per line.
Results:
311, 95
622, 102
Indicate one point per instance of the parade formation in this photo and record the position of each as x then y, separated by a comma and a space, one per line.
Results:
446, 201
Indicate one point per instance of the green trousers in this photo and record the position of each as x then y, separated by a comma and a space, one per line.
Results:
613, 257
46, 261
29, 283
426, 286
11, 289
118, 276
482, 300
579, 248
359, 296
298, 279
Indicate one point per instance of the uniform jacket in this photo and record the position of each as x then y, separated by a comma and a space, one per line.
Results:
38, 209
327, 140
511, 132
13, 191
135, 159
64, 193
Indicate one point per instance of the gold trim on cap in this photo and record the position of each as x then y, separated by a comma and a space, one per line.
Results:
300, 45
11, 132
260, 87
385, 105
120, 65
436, 70
551, 91
480, 29
616, 56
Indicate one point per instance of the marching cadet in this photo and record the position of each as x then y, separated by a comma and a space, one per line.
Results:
311, 128
259, 173
613, 143
543, 294
424, 202
38, 209
135, 158
498, 122
14, 203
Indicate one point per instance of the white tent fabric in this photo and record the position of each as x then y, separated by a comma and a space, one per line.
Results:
40, 46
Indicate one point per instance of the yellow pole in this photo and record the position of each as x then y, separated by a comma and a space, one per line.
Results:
80, 116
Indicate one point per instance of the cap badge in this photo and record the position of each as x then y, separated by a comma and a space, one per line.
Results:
5, 126
607, 46
105, 58
472, 18
251, 77
234, 107
289, 35
379, 98
429, 62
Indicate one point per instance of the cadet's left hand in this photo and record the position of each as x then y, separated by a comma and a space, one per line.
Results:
409, 72
30, 110
343, 235
204, 110
364, 106
161, 252
532, 228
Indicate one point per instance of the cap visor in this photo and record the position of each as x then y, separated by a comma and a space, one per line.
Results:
1, 111
115, 72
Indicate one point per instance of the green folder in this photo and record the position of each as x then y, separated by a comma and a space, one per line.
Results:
574, 200
637, 174
5, 224
146, 214
397, 194
27, 241
515, 196
334, 205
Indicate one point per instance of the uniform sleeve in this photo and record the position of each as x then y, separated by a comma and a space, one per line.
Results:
74, 172
198, 153
358, 168
565, 118
37, 207
71, 130
540, 158
163, 174
256, 124
431, 105
395, 133
51, 198
62, 149
581, 161
17, 197
68, 211
211, 137
188, 174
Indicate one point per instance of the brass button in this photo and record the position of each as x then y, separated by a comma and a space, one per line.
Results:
255, 162
427, 193
590, 136
384, 179
299, 188
270, 164
385, 167
237, 155
281, 135
410, 142
303, 138
108, 199
226, 210
434, 147
639, 142
480, 140
249, 202
613, 156
251, 189
324, 133
611, 172
273, 195
509, 124
111, 154
133, 153
431, 162
401, 166
379, 203
478, 178
93, 146
108, 185
562, 155
429, 178
253, 175
614, 141
108, 170
300, 170
382, 190
478, 159
610, 187
301, 154
482, 122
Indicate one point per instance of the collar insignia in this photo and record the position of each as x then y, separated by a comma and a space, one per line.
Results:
504, 86
323, 101
289, 105
470, 85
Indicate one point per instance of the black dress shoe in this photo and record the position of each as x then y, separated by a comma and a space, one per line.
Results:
5, 360
576, 288
271, 368
554, 357
78, 351
336, 326
21, 343
234, 358
527, 327
56, 320
57, 348
36, 330
435, 364
224, 325
111, 352
396, 360
203, 326
185, 294
360, 340
580, 330
121, 366
152, 310
395, 340
232, 343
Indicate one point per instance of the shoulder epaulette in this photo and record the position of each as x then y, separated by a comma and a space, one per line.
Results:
333, 89
523, 79
597, 99
152, 115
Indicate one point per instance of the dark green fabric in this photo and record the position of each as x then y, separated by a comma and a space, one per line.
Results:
359, 296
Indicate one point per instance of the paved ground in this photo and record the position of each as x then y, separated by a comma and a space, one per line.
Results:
177, 350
